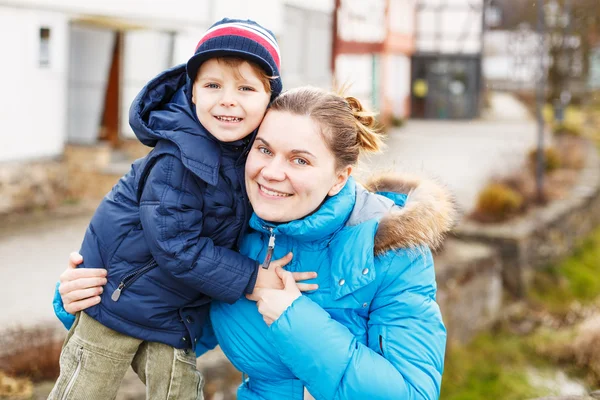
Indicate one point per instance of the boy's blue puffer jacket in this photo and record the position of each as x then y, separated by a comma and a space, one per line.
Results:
169, 229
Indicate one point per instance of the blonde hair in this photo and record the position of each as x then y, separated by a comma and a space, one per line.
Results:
347, 127
234, 64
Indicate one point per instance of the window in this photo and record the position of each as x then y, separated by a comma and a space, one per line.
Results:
44, 56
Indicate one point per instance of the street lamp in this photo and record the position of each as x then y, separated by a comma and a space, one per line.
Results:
540, 100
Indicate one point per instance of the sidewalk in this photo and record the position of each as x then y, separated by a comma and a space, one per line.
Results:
465, 155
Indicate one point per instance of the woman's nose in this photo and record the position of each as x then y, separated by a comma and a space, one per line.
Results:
273, 170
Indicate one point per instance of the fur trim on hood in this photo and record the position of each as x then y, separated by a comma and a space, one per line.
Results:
428, 214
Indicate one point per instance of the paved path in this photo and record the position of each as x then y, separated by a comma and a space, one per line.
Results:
32, 256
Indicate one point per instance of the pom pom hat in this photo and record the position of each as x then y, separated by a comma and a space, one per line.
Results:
240, 38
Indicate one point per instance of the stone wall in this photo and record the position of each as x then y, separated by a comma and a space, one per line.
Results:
82, 173
32, 185
546, 234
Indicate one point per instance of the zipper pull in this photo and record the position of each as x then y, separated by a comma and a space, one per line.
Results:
270, 248
117, 293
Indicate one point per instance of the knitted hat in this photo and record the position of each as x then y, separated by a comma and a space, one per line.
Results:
241, 38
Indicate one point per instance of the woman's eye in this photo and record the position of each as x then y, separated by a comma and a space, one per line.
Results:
300, 161
264, 150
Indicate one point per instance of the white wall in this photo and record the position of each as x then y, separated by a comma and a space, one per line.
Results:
33, 101
357, 72
508, 57
306, 48
173, 13
458, 25
362, 21
397, 88
146, 54
90, 56
268, 13
401, 16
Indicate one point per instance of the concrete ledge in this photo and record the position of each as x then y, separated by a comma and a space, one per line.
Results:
469, 288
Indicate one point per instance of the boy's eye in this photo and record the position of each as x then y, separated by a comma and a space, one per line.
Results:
264, 150
247, 89
300, 161
211, 86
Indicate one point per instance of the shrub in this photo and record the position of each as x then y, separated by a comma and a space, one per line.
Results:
397, 122
551, 159
567, 129
497, 202
13, 388
31, 352
571, 152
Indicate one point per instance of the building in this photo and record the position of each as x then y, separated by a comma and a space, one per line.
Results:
75, 67
372, 45
446, 66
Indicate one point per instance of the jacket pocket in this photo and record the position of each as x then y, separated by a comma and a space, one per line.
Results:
131, 277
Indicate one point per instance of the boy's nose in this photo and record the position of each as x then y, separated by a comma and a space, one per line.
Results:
228, 99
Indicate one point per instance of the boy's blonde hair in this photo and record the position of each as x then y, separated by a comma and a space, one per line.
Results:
234, 64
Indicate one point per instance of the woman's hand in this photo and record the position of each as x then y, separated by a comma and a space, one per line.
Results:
272, 303
269, 279
80, 288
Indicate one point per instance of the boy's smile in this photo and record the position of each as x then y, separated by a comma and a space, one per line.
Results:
230, 102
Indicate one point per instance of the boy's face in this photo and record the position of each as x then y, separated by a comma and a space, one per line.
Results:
230, 104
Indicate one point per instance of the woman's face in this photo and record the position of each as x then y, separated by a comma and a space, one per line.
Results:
290, 170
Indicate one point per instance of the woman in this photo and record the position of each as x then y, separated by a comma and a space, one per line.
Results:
372, 330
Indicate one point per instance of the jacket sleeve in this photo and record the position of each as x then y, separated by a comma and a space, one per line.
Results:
59, 309
404, 358
171, 215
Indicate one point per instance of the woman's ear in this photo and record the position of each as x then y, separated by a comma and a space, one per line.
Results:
340, 181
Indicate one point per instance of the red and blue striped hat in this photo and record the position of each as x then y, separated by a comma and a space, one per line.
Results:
242, 38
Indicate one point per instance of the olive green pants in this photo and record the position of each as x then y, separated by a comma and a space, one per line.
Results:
94, 360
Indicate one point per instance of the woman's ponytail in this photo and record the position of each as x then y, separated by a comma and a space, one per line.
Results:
368, 136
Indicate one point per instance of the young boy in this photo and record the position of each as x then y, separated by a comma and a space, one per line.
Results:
168, 231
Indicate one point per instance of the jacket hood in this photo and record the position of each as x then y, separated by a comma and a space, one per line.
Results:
425, 211
164, 105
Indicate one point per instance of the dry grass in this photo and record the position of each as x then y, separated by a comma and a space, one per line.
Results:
31, 353
497, 202
14, 388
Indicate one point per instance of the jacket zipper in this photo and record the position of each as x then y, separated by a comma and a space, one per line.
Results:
128, 279
74, 376
270, 248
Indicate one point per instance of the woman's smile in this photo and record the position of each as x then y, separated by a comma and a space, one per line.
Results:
271, 193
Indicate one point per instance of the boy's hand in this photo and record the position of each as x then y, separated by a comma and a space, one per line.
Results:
80, 288
268, 278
